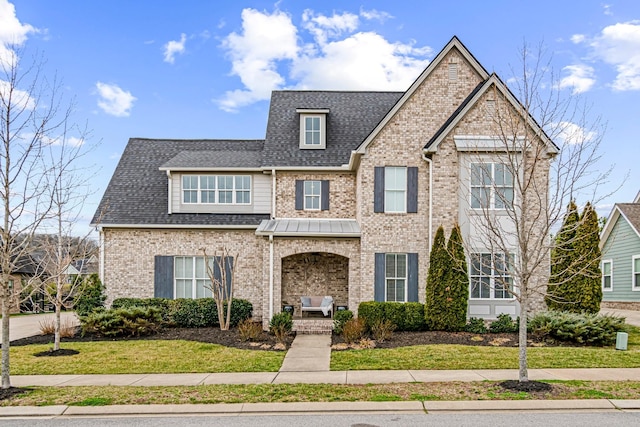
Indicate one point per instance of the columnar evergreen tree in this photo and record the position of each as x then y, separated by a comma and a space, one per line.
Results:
457, 281
562, 261
587, 286
439, 264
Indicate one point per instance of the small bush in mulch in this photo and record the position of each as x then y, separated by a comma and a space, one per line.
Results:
526, 386
55, 353
8, 393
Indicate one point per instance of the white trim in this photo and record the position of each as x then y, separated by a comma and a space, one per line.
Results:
611, 221
322, 119
273, 193
610, 262
234, 190
395, 190
406, 274
178, 226
633, 273
101, 240
211, 169
312, 110
170, 193
492, 186
304, 195
480, 143
430, 162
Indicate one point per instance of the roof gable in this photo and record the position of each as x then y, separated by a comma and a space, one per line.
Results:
454, 43
473, 98
630, 212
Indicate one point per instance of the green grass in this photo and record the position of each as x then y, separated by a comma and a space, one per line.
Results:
443, 356
143, 357
256, 393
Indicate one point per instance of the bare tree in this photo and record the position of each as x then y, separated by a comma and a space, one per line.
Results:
31, 116
545, 153
220, 269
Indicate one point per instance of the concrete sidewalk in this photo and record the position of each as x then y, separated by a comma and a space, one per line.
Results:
28, 325
325, 377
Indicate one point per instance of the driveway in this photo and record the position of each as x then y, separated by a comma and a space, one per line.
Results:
632, 317
28, 325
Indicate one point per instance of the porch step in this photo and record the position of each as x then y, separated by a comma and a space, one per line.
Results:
313, 326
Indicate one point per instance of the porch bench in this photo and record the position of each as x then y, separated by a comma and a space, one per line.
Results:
317, 303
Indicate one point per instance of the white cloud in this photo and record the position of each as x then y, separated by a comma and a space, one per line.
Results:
19, 98
619, 45
270, 54
606, 8
375, 14
113, 100
578, 38
571, 133
12, 31
580, 78
172, 48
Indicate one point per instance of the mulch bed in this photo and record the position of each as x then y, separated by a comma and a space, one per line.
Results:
267, 341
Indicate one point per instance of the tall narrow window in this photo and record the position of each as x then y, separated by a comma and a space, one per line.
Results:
312, 190
312, 130
395, 189
207, 189
607, 275
635, 265
396, 277
243, 189
491, 186
190, 189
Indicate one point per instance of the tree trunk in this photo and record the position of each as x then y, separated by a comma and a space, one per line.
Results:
6, 378
56, 335
523, 374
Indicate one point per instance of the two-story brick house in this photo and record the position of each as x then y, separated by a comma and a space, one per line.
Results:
341, 198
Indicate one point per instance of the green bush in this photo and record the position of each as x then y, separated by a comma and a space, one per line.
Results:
340, 318
281, 325
371, 312
503, 325
476, 326
203, 312
89, 295
413, 316
132, 321
582, 328
407, 316
241, 309
161, 303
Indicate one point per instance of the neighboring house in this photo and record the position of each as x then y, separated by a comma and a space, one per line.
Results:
26, 272
341, 198
83, 266
620, 246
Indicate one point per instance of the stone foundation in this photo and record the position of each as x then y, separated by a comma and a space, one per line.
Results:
621, 305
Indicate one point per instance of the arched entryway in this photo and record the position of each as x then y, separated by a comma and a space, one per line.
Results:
314, 274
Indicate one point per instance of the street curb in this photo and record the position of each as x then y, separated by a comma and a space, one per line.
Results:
279, 408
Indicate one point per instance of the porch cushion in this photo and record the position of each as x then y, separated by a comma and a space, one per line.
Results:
306, 301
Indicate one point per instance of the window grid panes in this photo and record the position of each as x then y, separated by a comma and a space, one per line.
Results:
606, 275
312, 130
396, 277
490, 277
312, 191
491, 186
395, 189
216, 189
191, 278
636, 272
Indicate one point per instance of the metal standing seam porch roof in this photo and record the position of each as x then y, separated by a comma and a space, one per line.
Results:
309, 228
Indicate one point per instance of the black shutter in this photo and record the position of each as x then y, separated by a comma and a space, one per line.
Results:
412, 190
324, 197
378, 291
163, 277
412, 280
299, 194
378, 189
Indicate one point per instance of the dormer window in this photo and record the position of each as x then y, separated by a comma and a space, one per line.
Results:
313, 126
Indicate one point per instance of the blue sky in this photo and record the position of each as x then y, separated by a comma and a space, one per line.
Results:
205, 69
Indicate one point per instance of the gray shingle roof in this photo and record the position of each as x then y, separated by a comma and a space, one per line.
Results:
215, 159
137, 192
352, 116
632, 212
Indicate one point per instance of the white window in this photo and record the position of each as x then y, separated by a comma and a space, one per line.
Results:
216, 189
491, 186
490, 277
607, 275
191, 278
396, 277
313, 125
395, 189
635, 272
312, 191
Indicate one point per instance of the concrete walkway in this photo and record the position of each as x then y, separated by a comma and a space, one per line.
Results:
631, 317
308, 353
28, 325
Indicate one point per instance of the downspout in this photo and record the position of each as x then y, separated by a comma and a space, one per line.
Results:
101, 240
270, 276
273, 193
430, 162
170, 191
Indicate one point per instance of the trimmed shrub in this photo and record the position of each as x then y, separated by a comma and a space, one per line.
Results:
582, 328
353, 330
281, 325
503, 325
382, 330
161, 303
404, 316
132, 321
339, 320
371, 312
241, 309
476, 326
203, 312
413, 316
90, 295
